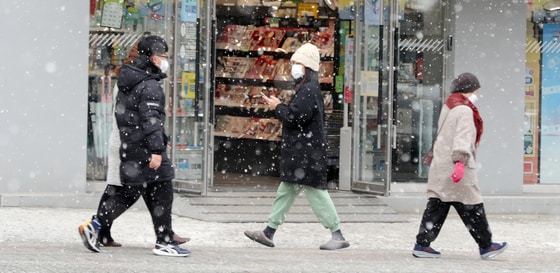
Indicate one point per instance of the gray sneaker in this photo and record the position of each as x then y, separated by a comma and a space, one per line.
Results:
334, 244
259, 237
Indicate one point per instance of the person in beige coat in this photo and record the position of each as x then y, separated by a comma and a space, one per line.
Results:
452, 179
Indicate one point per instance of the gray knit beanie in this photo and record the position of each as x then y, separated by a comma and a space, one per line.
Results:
465, 83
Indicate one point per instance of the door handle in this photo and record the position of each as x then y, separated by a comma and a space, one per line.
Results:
378, 137
394, 144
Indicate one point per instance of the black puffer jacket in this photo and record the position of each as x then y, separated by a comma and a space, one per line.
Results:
140, 115
303, 149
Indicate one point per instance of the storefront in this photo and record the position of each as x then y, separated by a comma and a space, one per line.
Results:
542, 96
115, 26
385, 67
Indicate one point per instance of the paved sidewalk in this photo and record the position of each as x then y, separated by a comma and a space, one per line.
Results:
47, 240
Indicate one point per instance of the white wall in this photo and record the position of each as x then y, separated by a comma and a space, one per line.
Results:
43, 96
490, 42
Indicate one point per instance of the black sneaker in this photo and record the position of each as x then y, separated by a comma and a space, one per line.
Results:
89, 232
170, 249
493, 250
425, 252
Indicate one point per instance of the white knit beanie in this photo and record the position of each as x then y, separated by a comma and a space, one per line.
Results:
308, 55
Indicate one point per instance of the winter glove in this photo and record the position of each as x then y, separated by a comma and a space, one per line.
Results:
459, 171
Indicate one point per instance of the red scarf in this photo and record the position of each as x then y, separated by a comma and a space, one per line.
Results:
456, 99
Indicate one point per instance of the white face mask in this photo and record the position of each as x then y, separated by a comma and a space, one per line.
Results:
163, 65
298, 71
473, 98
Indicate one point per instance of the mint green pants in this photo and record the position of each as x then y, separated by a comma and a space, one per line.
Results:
320, 201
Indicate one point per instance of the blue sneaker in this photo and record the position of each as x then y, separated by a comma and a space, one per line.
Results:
170, 249
493, 250
89, 232
425, 252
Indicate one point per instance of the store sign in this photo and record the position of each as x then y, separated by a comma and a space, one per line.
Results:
309, 10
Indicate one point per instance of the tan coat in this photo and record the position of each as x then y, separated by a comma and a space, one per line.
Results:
455, 142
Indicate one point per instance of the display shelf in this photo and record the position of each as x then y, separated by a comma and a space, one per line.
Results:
252, 56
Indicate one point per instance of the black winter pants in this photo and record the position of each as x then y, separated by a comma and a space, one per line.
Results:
105, 232
158, 197
473, 216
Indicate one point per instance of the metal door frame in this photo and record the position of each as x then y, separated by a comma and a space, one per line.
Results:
387, 70
195, 186
376, 187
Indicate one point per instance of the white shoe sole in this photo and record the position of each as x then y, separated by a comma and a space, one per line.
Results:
424, 254
493, 254
173, 253
334, 245
89, 237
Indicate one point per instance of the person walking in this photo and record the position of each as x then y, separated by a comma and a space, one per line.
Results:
145, 169
303, 163
452, 178
113, 162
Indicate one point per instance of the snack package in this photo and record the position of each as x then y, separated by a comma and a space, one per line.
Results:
233, 67
231, 37
283, 70
326, 72
294, 39
266, 39
256, 71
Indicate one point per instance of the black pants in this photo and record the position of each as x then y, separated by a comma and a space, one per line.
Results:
158, 197
473, 217
105, 231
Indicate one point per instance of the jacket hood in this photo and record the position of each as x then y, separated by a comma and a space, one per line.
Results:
130, 76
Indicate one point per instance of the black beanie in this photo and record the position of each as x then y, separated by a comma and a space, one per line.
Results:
465, 83
152, 45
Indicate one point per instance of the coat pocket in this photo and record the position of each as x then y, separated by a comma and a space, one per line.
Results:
138, 154
471, 163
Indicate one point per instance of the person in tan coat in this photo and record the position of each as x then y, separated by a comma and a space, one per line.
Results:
452, 179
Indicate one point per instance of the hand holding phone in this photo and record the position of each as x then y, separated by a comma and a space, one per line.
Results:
272, 101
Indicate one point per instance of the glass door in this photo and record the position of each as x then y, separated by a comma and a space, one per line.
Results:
399, 69
188, 95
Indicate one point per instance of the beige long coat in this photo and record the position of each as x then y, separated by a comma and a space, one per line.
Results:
455, 142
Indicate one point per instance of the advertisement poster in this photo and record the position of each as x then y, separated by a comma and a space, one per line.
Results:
369, 83
372, 11
530, 132
348, 69
154, 10
112, 13
346, 9
189, 85
188, 11
550, 100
